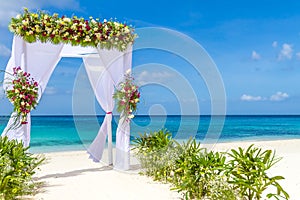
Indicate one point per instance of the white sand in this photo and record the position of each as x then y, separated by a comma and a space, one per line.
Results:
72, 176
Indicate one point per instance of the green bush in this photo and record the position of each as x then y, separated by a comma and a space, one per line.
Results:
199, 174
17, 166
154, 151
247, 171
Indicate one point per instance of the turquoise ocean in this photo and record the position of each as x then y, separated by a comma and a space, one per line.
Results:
64, 133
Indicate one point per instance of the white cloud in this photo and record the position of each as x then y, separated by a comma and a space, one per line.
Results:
275, 44
148, 76
286, 52
4, 51
50, 91
246, 97
11, 8
279, 96
255, 55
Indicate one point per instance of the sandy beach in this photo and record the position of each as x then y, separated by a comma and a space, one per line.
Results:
72, 176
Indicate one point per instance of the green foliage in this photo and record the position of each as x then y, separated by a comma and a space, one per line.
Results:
247, 171
153, 141
17, 167
199, 174
154, 152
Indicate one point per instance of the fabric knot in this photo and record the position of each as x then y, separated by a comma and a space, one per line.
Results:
109, 113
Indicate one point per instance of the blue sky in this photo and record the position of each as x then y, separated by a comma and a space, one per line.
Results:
254, 44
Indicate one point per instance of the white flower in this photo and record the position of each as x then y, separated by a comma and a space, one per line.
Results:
93, 21
128, 71
131, 116
25, 22
116, 24
17, 91
98, 35
87, 38
127, 30
22, 103
18, 16
104, 20
66, 19
136, 100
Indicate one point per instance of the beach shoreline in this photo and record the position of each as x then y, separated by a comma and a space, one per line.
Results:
72, 175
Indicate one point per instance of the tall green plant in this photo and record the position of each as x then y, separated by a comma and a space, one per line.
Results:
153, 151
199, 174
247, 171
17, 166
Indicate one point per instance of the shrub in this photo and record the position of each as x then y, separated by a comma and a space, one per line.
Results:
199, 174
247, 171
154, 151
17, 166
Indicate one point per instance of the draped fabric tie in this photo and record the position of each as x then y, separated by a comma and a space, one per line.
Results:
109, 113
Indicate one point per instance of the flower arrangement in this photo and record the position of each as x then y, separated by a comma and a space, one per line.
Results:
23, 94
75, 31
127, 97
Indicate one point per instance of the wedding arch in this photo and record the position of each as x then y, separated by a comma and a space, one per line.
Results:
41, 40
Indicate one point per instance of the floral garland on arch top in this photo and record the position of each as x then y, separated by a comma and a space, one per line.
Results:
23, 94
75, 31
127, 96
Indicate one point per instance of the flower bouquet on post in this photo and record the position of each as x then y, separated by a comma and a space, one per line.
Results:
127, 97
23, 94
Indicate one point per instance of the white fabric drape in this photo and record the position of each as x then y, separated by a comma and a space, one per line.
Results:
39, 59
123, 130
105, 71
103, 87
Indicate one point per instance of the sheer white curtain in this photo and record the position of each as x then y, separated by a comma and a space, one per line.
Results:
39, 59
103, 87
123, 130
105, 71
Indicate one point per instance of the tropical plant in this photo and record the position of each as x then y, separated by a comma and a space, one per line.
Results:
154, 152
247, 172
199, 174
192, 171
17, 168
